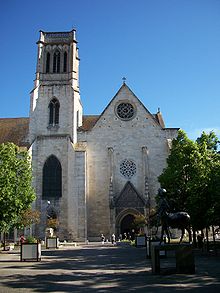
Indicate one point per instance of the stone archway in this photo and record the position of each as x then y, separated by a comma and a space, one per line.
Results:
126, 227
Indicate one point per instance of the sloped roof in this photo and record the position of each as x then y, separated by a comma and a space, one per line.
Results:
14, 130
88, 122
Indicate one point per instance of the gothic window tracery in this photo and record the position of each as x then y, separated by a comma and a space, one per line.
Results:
128, 168
52, 178
125, 111
54, 107
56, 61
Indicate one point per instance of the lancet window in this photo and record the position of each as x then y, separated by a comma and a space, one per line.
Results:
54, 108
48, 63
52, 178
56, 61
65, 62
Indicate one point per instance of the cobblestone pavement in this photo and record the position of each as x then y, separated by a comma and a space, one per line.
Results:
102, 268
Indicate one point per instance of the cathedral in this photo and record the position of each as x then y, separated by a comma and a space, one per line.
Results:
92, 173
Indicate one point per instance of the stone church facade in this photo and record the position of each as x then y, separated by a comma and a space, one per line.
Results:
91, 172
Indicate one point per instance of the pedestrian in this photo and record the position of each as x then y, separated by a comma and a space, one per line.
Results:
22, 239
113, 238
200, 240
103, 238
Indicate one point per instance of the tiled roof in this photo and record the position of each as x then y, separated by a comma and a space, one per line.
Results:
88, 122
14, 130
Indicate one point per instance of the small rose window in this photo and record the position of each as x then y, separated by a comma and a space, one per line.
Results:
127, 168
125, 111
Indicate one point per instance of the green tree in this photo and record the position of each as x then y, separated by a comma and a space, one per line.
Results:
214, 211
210, 140
202, 184
192, 178
181, 168
16, 192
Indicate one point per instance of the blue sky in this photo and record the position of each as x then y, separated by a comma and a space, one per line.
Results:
169, 51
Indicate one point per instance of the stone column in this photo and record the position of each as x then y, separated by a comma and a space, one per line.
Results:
78, 222
145, 174
111, 191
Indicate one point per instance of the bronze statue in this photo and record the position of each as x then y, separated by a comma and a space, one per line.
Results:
179, 220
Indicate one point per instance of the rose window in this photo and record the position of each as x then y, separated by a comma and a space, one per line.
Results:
125, 111
127, 168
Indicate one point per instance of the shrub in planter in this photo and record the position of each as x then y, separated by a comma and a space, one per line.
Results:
30, 239
30, 249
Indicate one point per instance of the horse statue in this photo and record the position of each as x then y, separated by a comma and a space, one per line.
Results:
179, 220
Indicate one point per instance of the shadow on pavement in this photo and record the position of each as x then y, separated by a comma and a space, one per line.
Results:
105, 269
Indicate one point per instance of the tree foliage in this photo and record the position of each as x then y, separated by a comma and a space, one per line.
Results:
16, 192
139, 221
192, 178
181, 167
28, 217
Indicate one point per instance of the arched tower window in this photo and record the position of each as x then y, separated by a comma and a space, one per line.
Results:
48, 63
65, 62
54, 107
56, 62
52, 178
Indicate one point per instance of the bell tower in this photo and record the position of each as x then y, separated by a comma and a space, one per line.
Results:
55, 99
55, 115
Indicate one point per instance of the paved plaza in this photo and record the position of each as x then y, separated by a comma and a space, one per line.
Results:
102, 268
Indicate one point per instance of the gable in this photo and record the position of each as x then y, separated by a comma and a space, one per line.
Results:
121, 108
129, 197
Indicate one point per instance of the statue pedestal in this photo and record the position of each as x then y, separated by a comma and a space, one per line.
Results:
185, 263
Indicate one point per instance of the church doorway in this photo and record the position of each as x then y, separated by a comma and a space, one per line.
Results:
127, 227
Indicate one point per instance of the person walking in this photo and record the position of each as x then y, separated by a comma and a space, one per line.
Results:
103, 238
113, 238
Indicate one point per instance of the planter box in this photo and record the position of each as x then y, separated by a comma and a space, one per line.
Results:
52, 242
140, 241
30, 251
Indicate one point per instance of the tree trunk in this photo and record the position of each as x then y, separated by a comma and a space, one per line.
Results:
194, 238
207, 239
213, 235
4, 241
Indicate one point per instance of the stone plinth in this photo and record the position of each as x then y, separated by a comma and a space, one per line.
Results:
185, 263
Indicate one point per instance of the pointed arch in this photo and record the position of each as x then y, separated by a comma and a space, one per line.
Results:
54, 109
65, 62
56, 61
124, 221
52, 178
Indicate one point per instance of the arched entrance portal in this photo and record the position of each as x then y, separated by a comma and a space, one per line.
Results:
127, 227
